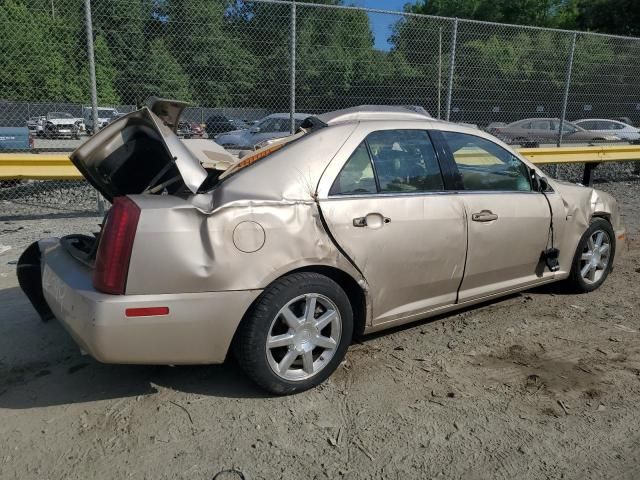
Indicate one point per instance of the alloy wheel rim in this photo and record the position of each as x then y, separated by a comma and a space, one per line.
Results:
303, 337
594, 260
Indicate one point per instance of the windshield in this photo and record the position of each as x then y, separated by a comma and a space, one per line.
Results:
282, 124
106, 113
60, 115
262, 153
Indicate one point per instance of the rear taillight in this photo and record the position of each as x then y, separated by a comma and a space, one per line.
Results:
116, 243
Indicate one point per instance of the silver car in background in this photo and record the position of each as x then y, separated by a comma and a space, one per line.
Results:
532, 132
62, 125
603, 126
273, 126
365, 219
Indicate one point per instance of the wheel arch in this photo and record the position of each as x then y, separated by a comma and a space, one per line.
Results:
356, 294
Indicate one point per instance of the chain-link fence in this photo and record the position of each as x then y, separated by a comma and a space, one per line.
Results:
238, 61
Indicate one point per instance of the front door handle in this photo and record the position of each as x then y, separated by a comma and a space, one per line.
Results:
484, 216
371, 220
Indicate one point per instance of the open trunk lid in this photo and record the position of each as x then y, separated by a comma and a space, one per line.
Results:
140, 152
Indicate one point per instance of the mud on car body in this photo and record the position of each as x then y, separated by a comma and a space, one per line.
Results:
366, 218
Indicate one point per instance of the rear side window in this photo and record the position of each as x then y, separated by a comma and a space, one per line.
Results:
391, 161
356, 176
484, 165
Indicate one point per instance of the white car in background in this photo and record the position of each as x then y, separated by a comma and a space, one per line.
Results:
611, 127
106, 115
62, 125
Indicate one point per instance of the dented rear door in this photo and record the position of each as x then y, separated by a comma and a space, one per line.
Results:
407, 236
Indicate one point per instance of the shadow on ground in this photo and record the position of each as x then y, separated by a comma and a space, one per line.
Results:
41, 366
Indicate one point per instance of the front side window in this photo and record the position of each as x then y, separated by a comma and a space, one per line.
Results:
541, 125
391, 161
484, 165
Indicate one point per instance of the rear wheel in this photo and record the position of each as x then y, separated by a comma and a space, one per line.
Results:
296, 334
594, 256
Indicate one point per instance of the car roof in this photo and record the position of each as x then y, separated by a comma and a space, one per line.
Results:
297, 116
598, 120
371, 112
536, 118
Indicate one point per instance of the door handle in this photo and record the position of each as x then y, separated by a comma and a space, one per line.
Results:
484, 216
371, 220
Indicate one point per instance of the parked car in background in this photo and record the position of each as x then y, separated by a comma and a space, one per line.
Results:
277, 125
36, 125
15, 138
626, 120
105, 117
531, 132
219, 123
62, 125
366, 219
184, 129
493, 125
603, 126
196, 129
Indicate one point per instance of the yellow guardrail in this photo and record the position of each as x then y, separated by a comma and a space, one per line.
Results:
37, 166
57, 166
596, 154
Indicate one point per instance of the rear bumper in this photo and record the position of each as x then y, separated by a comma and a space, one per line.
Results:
198, 329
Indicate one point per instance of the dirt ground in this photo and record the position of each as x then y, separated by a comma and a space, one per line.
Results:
536, 385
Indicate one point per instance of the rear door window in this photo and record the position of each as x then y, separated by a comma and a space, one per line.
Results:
405, 161
400, 161
356, 177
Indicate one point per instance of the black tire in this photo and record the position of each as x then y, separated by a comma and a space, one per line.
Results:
576, 282
250, 343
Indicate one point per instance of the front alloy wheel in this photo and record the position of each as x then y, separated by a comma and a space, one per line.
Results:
594, 256
594, 260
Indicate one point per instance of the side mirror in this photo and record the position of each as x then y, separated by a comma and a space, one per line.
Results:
254, 129
539, 184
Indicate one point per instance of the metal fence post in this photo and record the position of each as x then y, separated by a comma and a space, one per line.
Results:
292, 68
439, 72
452, 66
567, 84
92, 84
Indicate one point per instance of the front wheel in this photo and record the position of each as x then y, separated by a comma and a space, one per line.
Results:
594, 256
296, 333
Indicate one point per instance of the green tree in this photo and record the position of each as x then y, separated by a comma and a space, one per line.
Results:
221, 69
38, 61
620, 17
548, 13
106, 73
164, 75
125, 27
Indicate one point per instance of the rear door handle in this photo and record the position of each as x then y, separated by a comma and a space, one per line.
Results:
360, 222
371, 220
484, 216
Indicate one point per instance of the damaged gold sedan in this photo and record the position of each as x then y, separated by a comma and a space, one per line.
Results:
366, 218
